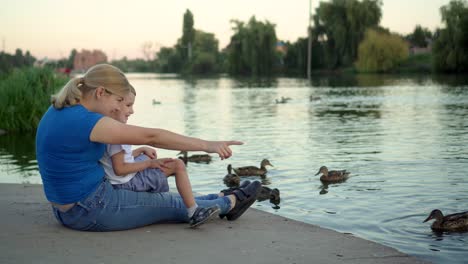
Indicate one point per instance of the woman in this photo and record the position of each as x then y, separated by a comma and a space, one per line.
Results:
71, 139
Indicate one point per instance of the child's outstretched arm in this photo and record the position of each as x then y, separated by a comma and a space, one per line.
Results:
122, 168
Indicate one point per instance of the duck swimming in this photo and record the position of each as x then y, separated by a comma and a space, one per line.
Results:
231, 180
252, 170
314, 98
199, 158
283, 100
451, 222
333, 175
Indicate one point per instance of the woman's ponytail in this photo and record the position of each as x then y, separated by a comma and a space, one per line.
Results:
69, 95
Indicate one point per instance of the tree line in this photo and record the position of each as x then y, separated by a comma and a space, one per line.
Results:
17, 60
346, 35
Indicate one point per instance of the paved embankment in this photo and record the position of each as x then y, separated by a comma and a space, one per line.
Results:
30, 234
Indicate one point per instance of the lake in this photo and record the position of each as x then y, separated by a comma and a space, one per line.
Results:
403, 138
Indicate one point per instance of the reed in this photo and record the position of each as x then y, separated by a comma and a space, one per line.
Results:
25, 96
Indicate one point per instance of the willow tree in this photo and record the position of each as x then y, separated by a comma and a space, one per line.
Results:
381, 52
342, 24
450, 49
252, 48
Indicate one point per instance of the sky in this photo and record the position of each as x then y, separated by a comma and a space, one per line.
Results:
52, 28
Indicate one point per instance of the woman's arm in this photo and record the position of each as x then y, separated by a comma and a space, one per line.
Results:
110, 131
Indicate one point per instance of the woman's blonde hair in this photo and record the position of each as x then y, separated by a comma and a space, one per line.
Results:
100, 75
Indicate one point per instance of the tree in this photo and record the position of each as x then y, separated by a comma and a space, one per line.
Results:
195, 51
252, 48
450, 49
188, 33
28, 59
295, 61
8, 62
343, 24
18, 58
205, 53
420, 36
381, 52
71, 59
169, 60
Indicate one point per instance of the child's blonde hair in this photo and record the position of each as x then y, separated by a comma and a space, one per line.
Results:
132, 90
100, 75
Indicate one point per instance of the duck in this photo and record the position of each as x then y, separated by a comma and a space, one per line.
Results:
267, 193
451, 222
199, 158
314, 98
231, 179
283, 100
333, 175
252, 170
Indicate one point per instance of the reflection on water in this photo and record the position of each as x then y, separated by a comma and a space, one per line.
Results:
18, 159
402, 138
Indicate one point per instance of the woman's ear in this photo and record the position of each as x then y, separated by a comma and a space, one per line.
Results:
100, 91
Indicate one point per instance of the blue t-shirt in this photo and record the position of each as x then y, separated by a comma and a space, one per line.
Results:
68, 160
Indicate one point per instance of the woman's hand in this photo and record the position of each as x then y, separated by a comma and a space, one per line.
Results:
222, 148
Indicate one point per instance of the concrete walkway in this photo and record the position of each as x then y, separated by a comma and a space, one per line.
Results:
30, 234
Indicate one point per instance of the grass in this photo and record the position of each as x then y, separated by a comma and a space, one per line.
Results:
25, 96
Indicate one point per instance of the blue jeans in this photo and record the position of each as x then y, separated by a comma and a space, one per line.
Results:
147, 180
109, 209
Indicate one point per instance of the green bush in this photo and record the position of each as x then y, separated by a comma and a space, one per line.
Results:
381, 52
25, 96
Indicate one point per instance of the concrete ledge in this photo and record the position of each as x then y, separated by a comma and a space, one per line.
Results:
30, 234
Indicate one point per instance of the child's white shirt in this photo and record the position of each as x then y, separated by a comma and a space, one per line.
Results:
106, 162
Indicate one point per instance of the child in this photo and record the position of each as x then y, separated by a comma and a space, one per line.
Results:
140, 171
